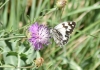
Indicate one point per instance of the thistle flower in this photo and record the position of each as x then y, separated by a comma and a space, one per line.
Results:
61, 3
38, 35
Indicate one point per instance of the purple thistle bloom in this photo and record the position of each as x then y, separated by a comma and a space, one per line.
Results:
39, 35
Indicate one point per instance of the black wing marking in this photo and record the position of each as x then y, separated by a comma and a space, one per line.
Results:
72, 25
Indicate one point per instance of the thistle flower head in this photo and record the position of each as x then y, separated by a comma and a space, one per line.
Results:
61, 3
39, 35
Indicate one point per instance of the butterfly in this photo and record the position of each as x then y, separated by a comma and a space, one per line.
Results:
61, 32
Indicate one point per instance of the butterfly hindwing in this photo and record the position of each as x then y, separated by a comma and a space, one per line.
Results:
57, 36
61, 32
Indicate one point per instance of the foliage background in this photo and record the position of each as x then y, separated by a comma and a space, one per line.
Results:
82, 51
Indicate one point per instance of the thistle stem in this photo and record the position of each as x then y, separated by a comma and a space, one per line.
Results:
13, 37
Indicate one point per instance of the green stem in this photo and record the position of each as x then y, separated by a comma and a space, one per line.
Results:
18, 62
52, 10
13, 37
38, 54
4, 4
25, 67
6, 66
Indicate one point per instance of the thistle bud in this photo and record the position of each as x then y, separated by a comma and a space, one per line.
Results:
61, 3
39, 62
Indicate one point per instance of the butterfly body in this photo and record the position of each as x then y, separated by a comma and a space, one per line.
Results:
62, 31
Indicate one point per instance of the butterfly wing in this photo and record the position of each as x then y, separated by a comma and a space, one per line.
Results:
57, 36
65, 27
62, 31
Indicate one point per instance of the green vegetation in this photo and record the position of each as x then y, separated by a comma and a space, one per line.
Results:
82, 52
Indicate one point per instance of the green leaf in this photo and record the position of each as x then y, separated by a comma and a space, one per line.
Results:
11, 53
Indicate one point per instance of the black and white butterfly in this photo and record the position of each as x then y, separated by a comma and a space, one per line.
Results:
62, 31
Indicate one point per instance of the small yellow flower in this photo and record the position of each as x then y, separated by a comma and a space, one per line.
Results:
61, 3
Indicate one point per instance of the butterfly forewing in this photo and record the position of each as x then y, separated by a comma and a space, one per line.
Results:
61, 32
